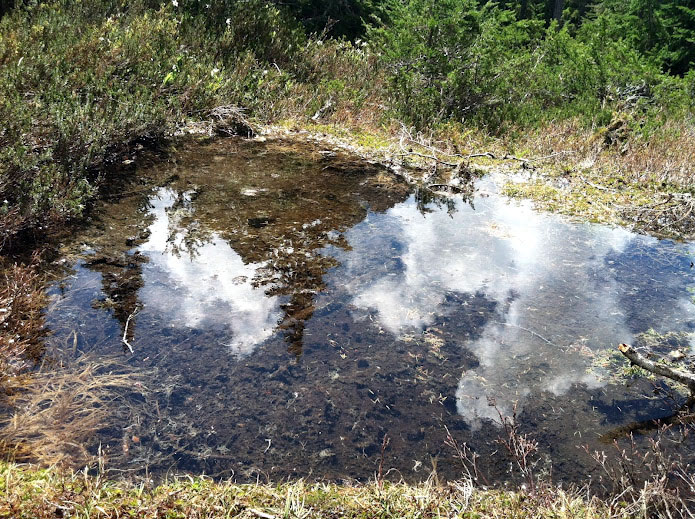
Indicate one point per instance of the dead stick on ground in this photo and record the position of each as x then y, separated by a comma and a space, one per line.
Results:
685, 378
407, 136
430, 157
491, 155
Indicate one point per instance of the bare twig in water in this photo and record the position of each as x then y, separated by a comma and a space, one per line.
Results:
535, 334
520, 447
651, 481
467, 456
125, 330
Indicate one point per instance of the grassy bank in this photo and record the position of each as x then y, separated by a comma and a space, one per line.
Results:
596, 128
563, 167
28, 492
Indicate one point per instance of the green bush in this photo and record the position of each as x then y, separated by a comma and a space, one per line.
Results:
80, 81
457, 61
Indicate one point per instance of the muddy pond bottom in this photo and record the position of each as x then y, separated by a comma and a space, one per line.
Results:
289, 306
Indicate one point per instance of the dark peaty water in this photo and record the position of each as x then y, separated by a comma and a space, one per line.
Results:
291, 307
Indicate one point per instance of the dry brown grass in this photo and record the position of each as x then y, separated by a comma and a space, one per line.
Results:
21, 321
48, 416
668, 155
57, 412
614, 152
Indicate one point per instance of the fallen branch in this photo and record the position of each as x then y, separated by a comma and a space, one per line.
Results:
685, 378
262, 515
406, 136
446, 187
321, 111
671, 214
430, 157
506, 156
230, 120
431, 149
491, 155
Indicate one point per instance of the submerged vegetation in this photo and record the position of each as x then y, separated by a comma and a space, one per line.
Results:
58, 411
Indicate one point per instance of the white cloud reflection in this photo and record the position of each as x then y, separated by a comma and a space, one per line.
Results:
209, 288
555, 302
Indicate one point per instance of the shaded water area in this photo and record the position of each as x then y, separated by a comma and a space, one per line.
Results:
290, 305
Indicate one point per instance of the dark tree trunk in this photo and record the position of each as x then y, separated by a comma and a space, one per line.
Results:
523, 13
557, 13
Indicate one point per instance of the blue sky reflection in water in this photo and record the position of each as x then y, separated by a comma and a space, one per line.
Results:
292, 307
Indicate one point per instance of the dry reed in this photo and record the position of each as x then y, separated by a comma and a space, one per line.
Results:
57, 413
21, 319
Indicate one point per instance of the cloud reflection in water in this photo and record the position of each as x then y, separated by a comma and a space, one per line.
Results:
555, 301
211, 285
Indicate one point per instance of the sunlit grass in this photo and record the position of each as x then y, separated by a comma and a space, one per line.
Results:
33, 493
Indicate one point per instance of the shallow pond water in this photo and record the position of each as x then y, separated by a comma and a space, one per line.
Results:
289, 306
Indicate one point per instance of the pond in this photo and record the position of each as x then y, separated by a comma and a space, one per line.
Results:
289, 306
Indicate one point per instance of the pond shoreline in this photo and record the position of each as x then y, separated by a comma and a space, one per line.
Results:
575, 184
562, 182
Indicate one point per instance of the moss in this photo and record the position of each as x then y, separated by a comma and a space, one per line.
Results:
372, 139
538, 191
611, 366
596, 196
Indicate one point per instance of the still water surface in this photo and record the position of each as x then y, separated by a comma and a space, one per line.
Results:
289, 306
